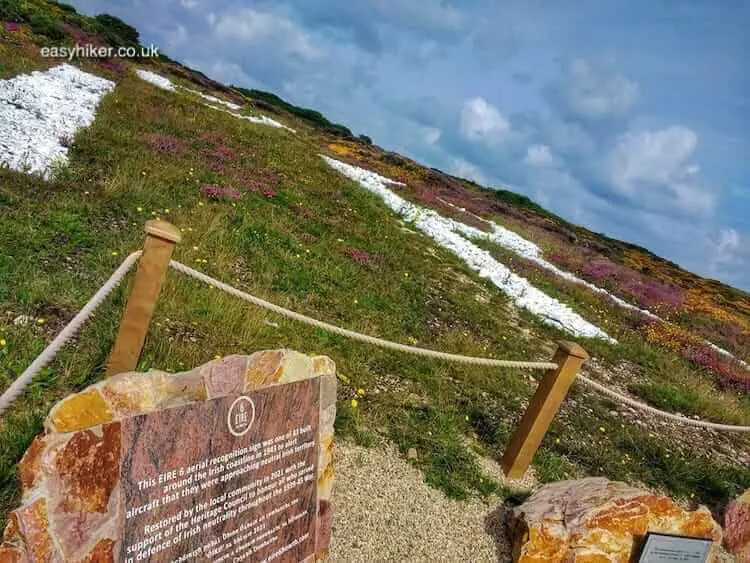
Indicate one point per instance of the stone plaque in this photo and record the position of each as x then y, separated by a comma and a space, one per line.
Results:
665, 548
223, 480
228, 462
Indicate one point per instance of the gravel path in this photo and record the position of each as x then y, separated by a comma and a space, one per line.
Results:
384, 511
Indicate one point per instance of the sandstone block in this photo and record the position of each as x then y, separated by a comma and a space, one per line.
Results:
595, 519
737, 527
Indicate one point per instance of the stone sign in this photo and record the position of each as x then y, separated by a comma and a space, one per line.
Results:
228, 462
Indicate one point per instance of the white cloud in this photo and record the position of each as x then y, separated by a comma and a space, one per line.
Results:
465, 169
176, 37
594, 93
225, 71
650, 164
539, 155
252, 27
189, 4
730, 256
481, 121
729, 240
431, 135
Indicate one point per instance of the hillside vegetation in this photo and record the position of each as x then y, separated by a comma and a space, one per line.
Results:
259, 209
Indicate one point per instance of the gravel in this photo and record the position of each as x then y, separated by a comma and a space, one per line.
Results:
451, 234
384, 511
41, 112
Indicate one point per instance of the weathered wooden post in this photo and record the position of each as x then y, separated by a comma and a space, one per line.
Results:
543, 407
161, 238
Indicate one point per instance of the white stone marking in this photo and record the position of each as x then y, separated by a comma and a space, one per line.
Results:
41, 112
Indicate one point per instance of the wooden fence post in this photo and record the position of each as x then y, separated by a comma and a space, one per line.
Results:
161, 238
543, 407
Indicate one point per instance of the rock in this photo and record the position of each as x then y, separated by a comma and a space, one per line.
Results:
22, 320
595, 519
82, 410
737, 527
412, 454
74, 473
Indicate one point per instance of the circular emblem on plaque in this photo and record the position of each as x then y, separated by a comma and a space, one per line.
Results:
241, 416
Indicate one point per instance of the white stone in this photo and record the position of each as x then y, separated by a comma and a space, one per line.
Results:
41, 112
156, 79
451, 234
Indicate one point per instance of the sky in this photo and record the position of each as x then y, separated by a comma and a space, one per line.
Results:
630, 117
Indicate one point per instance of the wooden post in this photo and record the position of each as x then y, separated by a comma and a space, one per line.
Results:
543, 407
161, 238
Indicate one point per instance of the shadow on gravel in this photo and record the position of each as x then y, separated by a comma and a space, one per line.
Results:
495, 525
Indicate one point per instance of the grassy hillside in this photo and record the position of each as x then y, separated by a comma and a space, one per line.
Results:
295, 232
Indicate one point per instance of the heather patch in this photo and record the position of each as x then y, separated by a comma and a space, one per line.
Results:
220, 192
164, 144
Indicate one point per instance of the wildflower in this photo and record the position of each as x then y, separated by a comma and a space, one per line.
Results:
153, 213
354, 403
602, 429
139, 209
85, 193
166, 211
195, 248
467, 418
200, 204
40, 321
3, 343
361, 392
557, 440
115, 253
217, 357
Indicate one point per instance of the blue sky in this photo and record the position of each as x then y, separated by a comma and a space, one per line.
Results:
629, 117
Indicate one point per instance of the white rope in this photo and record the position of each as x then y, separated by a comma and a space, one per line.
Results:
17, 387
75, 324
442, 355
643, 406
356, 335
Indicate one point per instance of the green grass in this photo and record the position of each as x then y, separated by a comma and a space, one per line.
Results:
63, 238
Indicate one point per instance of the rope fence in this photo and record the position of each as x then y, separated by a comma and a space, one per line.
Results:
72, 328
356, 335
442, 355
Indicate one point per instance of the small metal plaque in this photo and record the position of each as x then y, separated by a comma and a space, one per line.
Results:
664, 548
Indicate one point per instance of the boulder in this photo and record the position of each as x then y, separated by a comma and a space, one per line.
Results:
737, 527
74, 497
597, 520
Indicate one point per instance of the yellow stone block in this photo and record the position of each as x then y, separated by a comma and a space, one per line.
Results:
295, 367
264, 368
79, 412
323, 365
